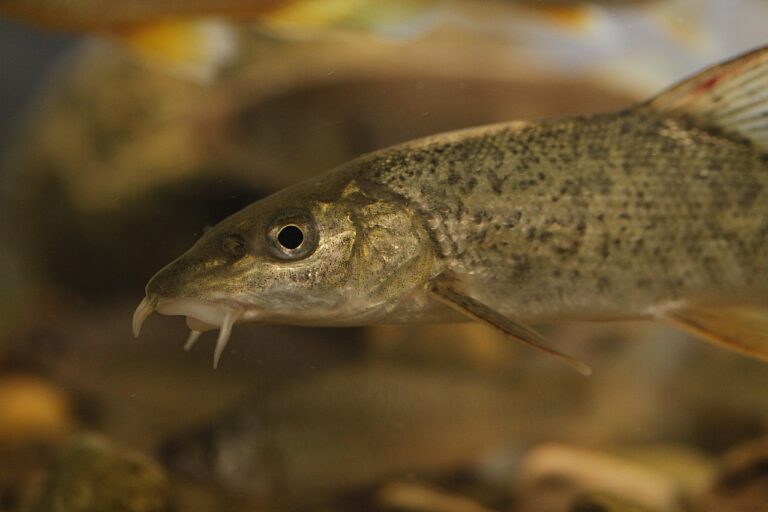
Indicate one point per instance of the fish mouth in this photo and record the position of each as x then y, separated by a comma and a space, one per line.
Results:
201, 316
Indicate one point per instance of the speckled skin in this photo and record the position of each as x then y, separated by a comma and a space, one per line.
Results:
593, 217
656, 211
605, 217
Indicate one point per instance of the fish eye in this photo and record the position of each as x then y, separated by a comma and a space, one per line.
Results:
234, 245
292, 235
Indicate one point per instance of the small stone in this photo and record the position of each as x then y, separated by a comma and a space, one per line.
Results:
93, 475
32, 411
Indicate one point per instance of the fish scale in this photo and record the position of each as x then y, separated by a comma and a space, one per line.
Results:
565, 235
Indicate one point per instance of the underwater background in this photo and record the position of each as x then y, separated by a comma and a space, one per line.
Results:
113, 163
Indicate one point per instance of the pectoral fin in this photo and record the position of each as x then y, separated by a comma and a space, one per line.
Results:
444, 291
740, 328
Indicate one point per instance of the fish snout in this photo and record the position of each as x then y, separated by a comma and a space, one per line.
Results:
164, 287
170, 282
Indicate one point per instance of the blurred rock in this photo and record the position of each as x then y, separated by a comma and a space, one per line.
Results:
555, 477
413, 497
93, 475
32, 411
35, 417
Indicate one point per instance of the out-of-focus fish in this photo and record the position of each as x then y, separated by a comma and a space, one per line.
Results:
353, 426
657, 211
179, 35
194, 38
105, 15
197, 38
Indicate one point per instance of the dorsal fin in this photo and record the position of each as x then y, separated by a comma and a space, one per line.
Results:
731, 97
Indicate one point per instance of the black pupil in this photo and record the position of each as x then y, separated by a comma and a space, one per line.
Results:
290, 237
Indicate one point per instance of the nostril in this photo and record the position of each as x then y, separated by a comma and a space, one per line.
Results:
161, 283
234, 245
171, 280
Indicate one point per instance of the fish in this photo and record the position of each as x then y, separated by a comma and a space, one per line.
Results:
105, 15
352, 426
653, 212
190, 39
194, 39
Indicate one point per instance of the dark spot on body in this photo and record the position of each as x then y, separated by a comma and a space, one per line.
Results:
496, 182
643, 282
568, 250
750, 194
605, 247
521, 267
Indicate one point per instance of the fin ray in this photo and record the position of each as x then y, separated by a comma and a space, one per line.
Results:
729, 97
446, 293
740, 328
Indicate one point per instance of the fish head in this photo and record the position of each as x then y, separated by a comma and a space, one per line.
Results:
327, 252
231, 452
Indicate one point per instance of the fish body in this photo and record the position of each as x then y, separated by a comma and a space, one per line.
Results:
350, 427
604, 216
98, 15
194, 39
656, 211
188, 39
